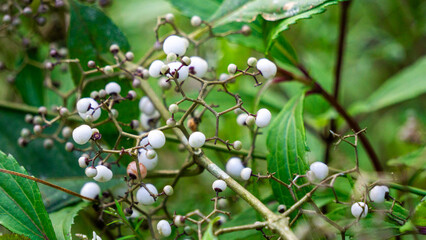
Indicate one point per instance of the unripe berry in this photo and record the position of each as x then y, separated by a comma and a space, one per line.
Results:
196, 21
69, 146
82, 134
234, 167
27, 11
169, 17
320, 170
132, 171
164, 69
267, 68
148, 163
223, 77
136, 83
179, 221
113, 88
197, 139
237, 145
63, 111
245, 30
91, 64
164, 228
131, 95
219, 185
144, 197
232, 69
378, 193
25, 132
38, 120
90, 190
174, 44
104, 174
114, 48
146, 106
22, 142
173, 108
151, 154
49, 66
250, 120
37, 129
134, 124
251, 61
359, 210
129, 56
90, 171
42, 110
263, 117
108, 70
48, 143
102, 93
241, 119
198, 66
29, 118
281, 208
145, 74
164, 84
245, 173
178, 71
168, 190
82, 161
171, 122
171, 57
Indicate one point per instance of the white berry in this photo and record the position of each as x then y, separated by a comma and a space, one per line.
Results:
179, 221
320, 170
82, 134
234, 167
241, 119
174, 44
168, 190
359, 209
164, 228
90, 190
377, 194
155, 68
144, 197
195, 21
104, 174
198, 66
91, 172
267, 68
149, 163
232, 68
145, 143
82, 161
156, 138
83, 105
146, 106
197, 139
245, 173
263, 117
219, 185
89, 114
173, 108
178, 71
112, 88
250, 120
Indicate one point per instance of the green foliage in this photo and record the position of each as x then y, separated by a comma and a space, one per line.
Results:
405, 85
21, 207
286, 143
415, 159
64, 218
208, 234
419, 218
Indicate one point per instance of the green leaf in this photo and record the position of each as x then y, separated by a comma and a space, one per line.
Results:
64, 218
29, 81
318, 8
248, 216
407, 84
90, 35
204, 9
286, 142
415, 159
208, 234
271, 10
21, 207
419, 218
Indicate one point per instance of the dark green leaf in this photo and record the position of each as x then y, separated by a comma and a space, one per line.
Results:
286, 143
90, 35
64, 219
414, 159
248, 216
29, 82
21, 207
203, 9
407, 84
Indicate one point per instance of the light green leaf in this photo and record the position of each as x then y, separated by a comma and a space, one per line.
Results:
64, 218
204, 9
271, 10
419, 218
407, 84
414, 159
286, 142
208, 234
21, 207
